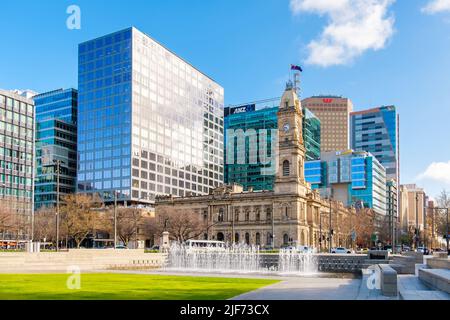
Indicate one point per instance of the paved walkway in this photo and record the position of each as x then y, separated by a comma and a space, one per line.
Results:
307, 289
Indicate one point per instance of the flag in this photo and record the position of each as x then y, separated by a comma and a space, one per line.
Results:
298, 68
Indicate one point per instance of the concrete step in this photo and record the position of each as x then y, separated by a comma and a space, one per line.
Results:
423, 295
436, 278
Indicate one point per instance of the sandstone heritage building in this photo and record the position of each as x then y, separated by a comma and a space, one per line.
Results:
291, 214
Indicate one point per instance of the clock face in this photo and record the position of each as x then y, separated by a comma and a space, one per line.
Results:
286, 127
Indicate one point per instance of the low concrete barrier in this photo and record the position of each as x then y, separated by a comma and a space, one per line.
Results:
403, 264
438, 263
85, 259
341, 263
441, 255
378, 255
388, 280
436, 278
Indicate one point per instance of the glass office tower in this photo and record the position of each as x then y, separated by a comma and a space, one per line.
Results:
250, 174
56, 139
16, 162
149, 122
262, 115
376, 131
311, 134
350, 177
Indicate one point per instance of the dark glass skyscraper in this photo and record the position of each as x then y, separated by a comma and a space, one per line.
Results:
149, 123
56, 139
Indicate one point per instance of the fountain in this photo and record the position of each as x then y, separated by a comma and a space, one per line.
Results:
239, 258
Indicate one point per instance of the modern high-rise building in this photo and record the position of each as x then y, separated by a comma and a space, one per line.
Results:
334, 113
392, 208
353, 178
149, 123
376, 131
17, 162
56, 140
412, 208
256, 174
251, 119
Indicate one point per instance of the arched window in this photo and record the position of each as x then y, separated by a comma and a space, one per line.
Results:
258, 215
247, 216
205, 236
236, 215
205, 216
286, 169
269, 239
221, 215
220, 236
285, 239
247, 238
258, 239
236, 237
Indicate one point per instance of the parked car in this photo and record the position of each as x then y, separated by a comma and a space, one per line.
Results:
363, 250
423, 250
119, 246
306, 249
340, 250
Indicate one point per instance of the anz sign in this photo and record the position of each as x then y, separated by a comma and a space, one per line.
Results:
240, 109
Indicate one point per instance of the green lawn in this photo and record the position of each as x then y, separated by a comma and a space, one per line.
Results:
124, 286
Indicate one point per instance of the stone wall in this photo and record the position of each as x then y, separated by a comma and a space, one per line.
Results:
85, 259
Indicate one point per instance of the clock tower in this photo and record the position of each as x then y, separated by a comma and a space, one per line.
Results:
290, 176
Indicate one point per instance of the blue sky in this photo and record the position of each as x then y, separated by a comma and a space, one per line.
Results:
248, 45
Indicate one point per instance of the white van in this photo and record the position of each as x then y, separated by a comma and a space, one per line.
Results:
205, 244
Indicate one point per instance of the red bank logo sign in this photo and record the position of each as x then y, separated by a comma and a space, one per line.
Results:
327, 100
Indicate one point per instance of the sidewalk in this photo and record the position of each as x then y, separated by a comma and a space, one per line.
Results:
306, 289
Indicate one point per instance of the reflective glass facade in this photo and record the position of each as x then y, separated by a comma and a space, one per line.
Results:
17, 159
250, 174
263, 116
56, 139
376, 131
149, 122
352, 177
311, 135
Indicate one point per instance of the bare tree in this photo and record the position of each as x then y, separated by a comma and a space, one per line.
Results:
128, 220
6, 218
443, 201
364, 222
45, 224
78, 217
182, 225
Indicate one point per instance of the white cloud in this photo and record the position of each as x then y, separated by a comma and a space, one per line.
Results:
354, 26
437, 172
436, 6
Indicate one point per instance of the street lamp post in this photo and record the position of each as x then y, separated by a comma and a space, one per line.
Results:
446, 236
320, 231
331, 230
58, 167
115, 219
